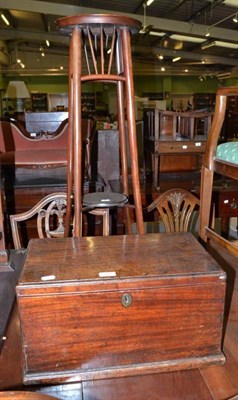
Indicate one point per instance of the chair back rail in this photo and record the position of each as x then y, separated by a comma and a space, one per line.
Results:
175, 206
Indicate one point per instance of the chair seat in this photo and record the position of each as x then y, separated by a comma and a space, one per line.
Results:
228, 152
34, 158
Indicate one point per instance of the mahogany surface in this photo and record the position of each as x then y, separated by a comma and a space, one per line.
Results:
154, 272
213, 382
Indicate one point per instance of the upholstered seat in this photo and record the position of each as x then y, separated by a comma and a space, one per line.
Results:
228, 152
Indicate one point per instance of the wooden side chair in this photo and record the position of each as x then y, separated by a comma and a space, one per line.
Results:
221, 159
175, 206
49, 212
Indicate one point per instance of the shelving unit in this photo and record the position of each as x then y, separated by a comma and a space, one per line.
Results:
39, 102
203, 101
88, 104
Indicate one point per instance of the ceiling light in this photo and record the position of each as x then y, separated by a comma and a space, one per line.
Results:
154, 33
162, 69
160, 57
235, 19
149, 2
48, 43
18, 61
207, 34
61, 67
187, 38
186, 70
109, 51
176, 59
226, 44
207, 45
203, 61
223, 75
43, 54
22, 65
232, 3
5, 19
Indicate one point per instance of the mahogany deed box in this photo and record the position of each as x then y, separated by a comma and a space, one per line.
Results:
99, 307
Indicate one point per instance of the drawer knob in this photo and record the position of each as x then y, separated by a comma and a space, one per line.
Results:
126, 300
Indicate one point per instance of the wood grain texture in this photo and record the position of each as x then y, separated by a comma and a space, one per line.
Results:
177, 296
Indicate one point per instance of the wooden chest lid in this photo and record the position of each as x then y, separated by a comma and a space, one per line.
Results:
113, 259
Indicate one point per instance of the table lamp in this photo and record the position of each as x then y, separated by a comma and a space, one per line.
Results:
17, 90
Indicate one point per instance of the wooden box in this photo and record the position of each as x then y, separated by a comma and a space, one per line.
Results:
100, 307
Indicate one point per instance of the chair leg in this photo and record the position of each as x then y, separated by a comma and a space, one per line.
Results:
104, 212
123, 152
205, 201
132, 129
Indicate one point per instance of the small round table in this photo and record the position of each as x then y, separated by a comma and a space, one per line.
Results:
100, 203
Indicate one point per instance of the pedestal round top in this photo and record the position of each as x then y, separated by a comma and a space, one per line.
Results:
67, 24
104, 199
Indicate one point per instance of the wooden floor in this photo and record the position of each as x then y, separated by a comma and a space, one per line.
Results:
214, 382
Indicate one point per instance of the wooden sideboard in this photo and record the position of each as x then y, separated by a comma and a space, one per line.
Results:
168, 133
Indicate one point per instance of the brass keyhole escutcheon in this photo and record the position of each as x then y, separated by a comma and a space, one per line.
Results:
126, 300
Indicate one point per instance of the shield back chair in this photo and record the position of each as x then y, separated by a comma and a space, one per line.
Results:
176, 207
49, 213
221, 159
100, 51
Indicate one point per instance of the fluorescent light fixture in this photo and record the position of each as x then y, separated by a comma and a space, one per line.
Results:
207, 45
149, 2
176, 59
231, 3
187, 38
5, 19
48, 43
228, 45
223, 75
218, 43
154, 33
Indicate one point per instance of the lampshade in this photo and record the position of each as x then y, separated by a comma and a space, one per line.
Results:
17, 90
